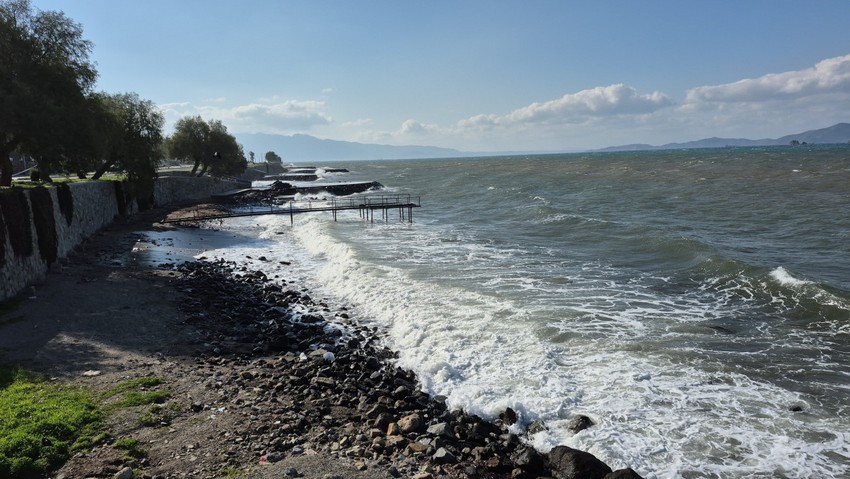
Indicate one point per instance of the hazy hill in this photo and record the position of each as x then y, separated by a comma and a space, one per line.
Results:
839, 133
305, 148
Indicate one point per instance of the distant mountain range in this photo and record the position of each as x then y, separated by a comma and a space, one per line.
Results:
839, 133
306, 148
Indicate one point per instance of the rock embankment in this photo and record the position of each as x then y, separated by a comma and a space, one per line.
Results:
311, 379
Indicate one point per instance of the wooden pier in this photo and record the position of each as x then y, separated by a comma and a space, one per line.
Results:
366, 205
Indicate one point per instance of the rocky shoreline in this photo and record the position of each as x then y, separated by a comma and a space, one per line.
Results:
319, 382
259, 379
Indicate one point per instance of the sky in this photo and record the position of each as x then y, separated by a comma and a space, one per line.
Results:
480, 76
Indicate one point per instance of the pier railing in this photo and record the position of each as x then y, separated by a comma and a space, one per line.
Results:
366, 205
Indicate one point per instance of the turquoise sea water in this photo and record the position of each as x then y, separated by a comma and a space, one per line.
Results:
695, 304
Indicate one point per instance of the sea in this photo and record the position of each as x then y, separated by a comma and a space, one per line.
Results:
695, 304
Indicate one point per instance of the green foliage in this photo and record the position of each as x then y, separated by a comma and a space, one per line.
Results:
40, 423
45, 73
207, 145
45, 224
66, 201
16, 215
272, 157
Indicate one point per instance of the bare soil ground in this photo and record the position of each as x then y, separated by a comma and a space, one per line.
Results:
100, 318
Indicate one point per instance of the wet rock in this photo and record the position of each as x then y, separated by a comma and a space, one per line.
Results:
509, 417
580, 423
529, 460
627, 473
537, 426
568, 463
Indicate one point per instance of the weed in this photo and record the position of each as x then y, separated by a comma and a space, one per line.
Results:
230, 472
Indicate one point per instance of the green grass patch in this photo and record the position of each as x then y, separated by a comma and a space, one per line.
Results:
230, 472
41, 423
134, 392
132, 448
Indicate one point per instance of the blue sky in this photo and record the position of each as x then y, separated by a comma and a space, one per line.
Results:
480, 75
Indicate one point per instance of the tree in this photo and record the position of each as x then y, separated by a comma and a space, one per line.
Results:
45, 73
272, 157
188, 141
251, 156
208, 145
227, 158
132, 139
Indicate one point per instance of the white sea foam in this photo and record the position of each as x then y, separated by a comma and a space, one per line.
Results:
784, 278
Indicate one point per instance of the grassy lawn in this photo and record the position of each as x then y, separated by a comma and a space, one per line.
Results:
42, 423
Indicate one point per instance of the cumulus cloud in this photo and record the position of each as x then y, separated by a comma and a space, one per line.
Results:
607, 101
828, 76
278, 117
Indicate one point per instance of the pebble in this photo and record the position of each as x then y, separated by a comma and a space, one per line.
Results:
309, 383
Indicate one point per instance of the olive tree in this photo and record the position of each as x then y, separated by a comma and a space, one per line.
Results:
45, 74
207, 145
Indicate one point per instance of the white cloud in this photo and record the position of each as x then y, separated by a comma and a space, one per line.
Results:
599, 102
828, 76
358, 123
279, 117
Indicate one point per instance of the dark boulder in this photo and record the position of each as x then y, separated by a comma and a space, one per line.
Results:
580, 423
627, 473
568, 463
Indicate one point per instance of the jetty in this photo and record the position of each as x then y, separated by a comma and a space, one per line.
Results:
367, 206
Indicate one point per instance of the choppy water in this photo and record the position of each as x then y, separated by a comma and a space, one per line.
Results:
695, 304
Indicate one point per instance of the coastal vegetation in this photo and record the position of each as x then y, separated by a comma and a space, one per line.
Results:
50, 112
42, 423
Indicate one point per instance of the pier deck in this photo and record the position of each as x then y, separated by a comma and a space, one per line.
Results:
366, 205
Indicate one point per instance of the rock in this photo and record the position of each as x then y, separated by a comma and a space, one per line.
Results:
580, 423
411, 423
126, 473
441, 429
529, 460
537, 426
568, 463
627, 473
508, 417
444, 456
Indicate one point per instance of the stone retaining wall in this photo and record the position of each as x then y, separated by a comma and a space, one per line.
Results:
37, 228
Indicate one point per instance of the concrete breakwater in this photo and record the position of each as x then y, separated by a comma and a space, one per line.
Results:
40, 225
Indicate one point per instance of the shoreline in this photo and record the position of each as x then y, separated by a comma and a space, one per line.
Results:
265, 379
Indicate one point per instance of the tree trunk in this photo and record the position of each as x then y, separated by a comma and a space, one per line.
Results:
6, 162
5, 169
44, 170
103, 169
195, 168
203, 170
